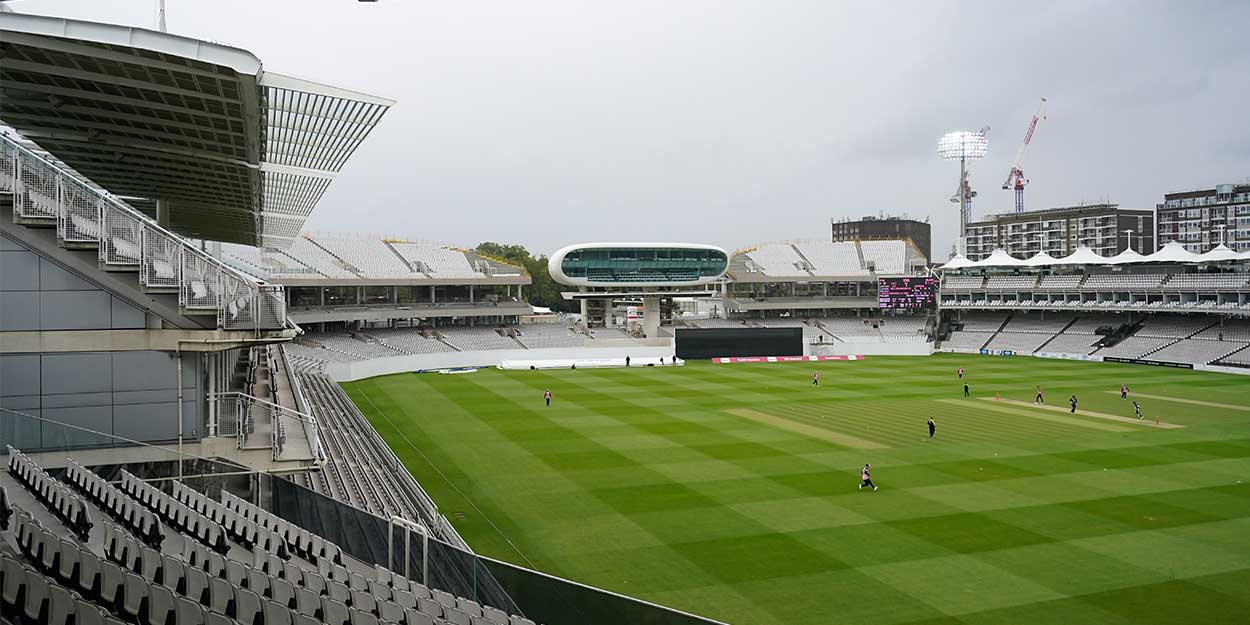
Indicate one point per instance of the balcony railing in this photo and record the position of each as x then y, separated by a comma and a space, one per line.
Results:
128, 240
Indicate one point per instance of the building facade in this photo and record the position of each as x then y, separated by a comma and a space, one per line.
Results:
885, 228
1105, 228
1202, 219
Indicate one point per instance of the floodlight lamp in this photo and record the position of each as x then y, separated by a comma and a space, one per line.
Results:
963, 145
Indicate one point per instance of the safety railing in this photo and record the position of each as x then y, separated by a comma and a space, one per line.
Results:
128, 240
234, 418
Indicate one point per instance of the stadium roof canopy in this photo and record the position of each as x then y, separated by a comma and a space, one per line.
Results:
1172, 252
230, 151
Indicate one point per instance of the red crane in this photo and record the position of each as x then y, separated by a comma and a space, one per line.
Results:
1016, 179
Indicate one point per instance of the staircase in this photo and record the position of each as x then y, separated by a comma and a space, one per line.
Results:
45, 197
1042, 347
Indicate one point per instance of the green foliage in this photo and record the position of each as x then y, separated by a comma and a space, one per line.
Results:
544, 291
731, 490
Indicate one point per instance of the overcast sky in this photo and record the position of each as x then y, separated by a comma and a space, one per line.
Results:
734, 122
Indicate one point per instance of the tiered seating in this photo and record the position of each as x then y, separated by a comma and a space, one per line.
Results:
963, 282
1011, 282
369, 255
717, 322
1032, 323
308, 545
1060, 282
55, 496
967, 340
1207, 280
851, 329
888, 256
472, 339
410, 340
1018, 342
1090, 324
307, 253
832, 259
1070, 344
903, 329
1240, 359
360, 468
137, 519
316, 354
778, 259
1134, 347
982, 322
1173, 327
436, 260
1229, 329
539, 335
1125, 281
177, 514
1197, 351
348, 345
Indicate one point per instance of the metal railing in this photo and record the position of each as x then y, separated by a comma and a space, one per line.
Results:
129, 240
234, 418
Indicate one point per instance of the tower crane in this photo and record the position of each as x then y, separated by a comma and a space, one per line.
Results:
1016, 179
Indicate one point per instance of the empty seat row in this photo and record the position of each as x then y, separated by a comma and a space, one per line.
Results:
305, 543
57, 497
179, 515
36, 598
453, 609
140, 521
77, 579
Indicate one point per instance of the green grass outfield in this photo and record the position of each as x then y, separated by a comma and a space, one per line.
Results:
731, 490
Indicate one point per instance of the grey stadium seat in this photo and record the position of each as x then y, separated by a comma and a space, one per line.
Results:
247, 607
277, 614
189, 612
416, 617
161, 605
334, 612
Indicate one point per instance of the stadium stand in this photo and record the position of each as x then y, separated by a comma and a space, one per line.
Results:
967, 340
888, 257
409, 340
1081, 344
304, 252
983, 322
1103, 281
778, 259
114, 576
1197, 351
539, 335
831, 259
1173, 327
962, 282
1135, 347
1206, 281
1060, 282
435, 260
471, 339
1011, 282
368, 255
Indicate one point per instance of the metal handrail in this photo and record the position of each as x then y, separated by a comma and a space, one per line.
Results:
257, 288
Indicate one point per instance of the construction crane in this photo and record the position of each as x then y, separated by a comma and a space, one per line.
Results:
1016, 179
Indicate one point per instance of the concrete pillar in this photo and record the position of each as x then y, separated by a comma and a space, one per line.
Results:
431, 294
650, 316
162, 213
471, 294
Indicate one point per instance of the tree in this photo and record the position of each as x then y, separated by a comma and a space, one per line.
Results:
543, 291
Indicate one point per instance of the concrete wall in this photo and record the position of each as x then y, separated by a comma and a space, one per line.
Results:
129, 394
911, 348
348, 371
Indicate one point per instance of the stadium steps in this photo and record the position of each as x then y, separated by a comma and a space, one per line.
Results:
1042, 347
994, 334
346, 266
859, 250
806, 263
439, 335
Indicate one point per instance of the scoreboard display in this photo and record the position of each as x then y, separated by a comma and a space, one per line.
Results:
907, 293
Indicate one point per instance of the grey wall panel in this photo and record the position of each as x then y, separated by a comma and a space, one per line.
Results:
75, 310
148, 422
127, 317
52, 277
98, 418
192, 418
124, 398
145, 371
7, 244
86, 372
21, 433
19, 271
19, 374
23, 403
73, 400
19, 311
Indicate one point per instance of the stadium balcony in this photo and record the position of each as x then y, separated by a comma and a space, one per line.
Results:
850, 261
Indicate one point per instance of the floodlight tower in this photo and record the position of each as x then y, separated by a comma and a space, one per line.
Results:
964, 146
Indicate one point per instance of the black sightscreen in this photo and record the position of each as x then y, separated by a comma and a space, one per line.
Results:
699, 344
